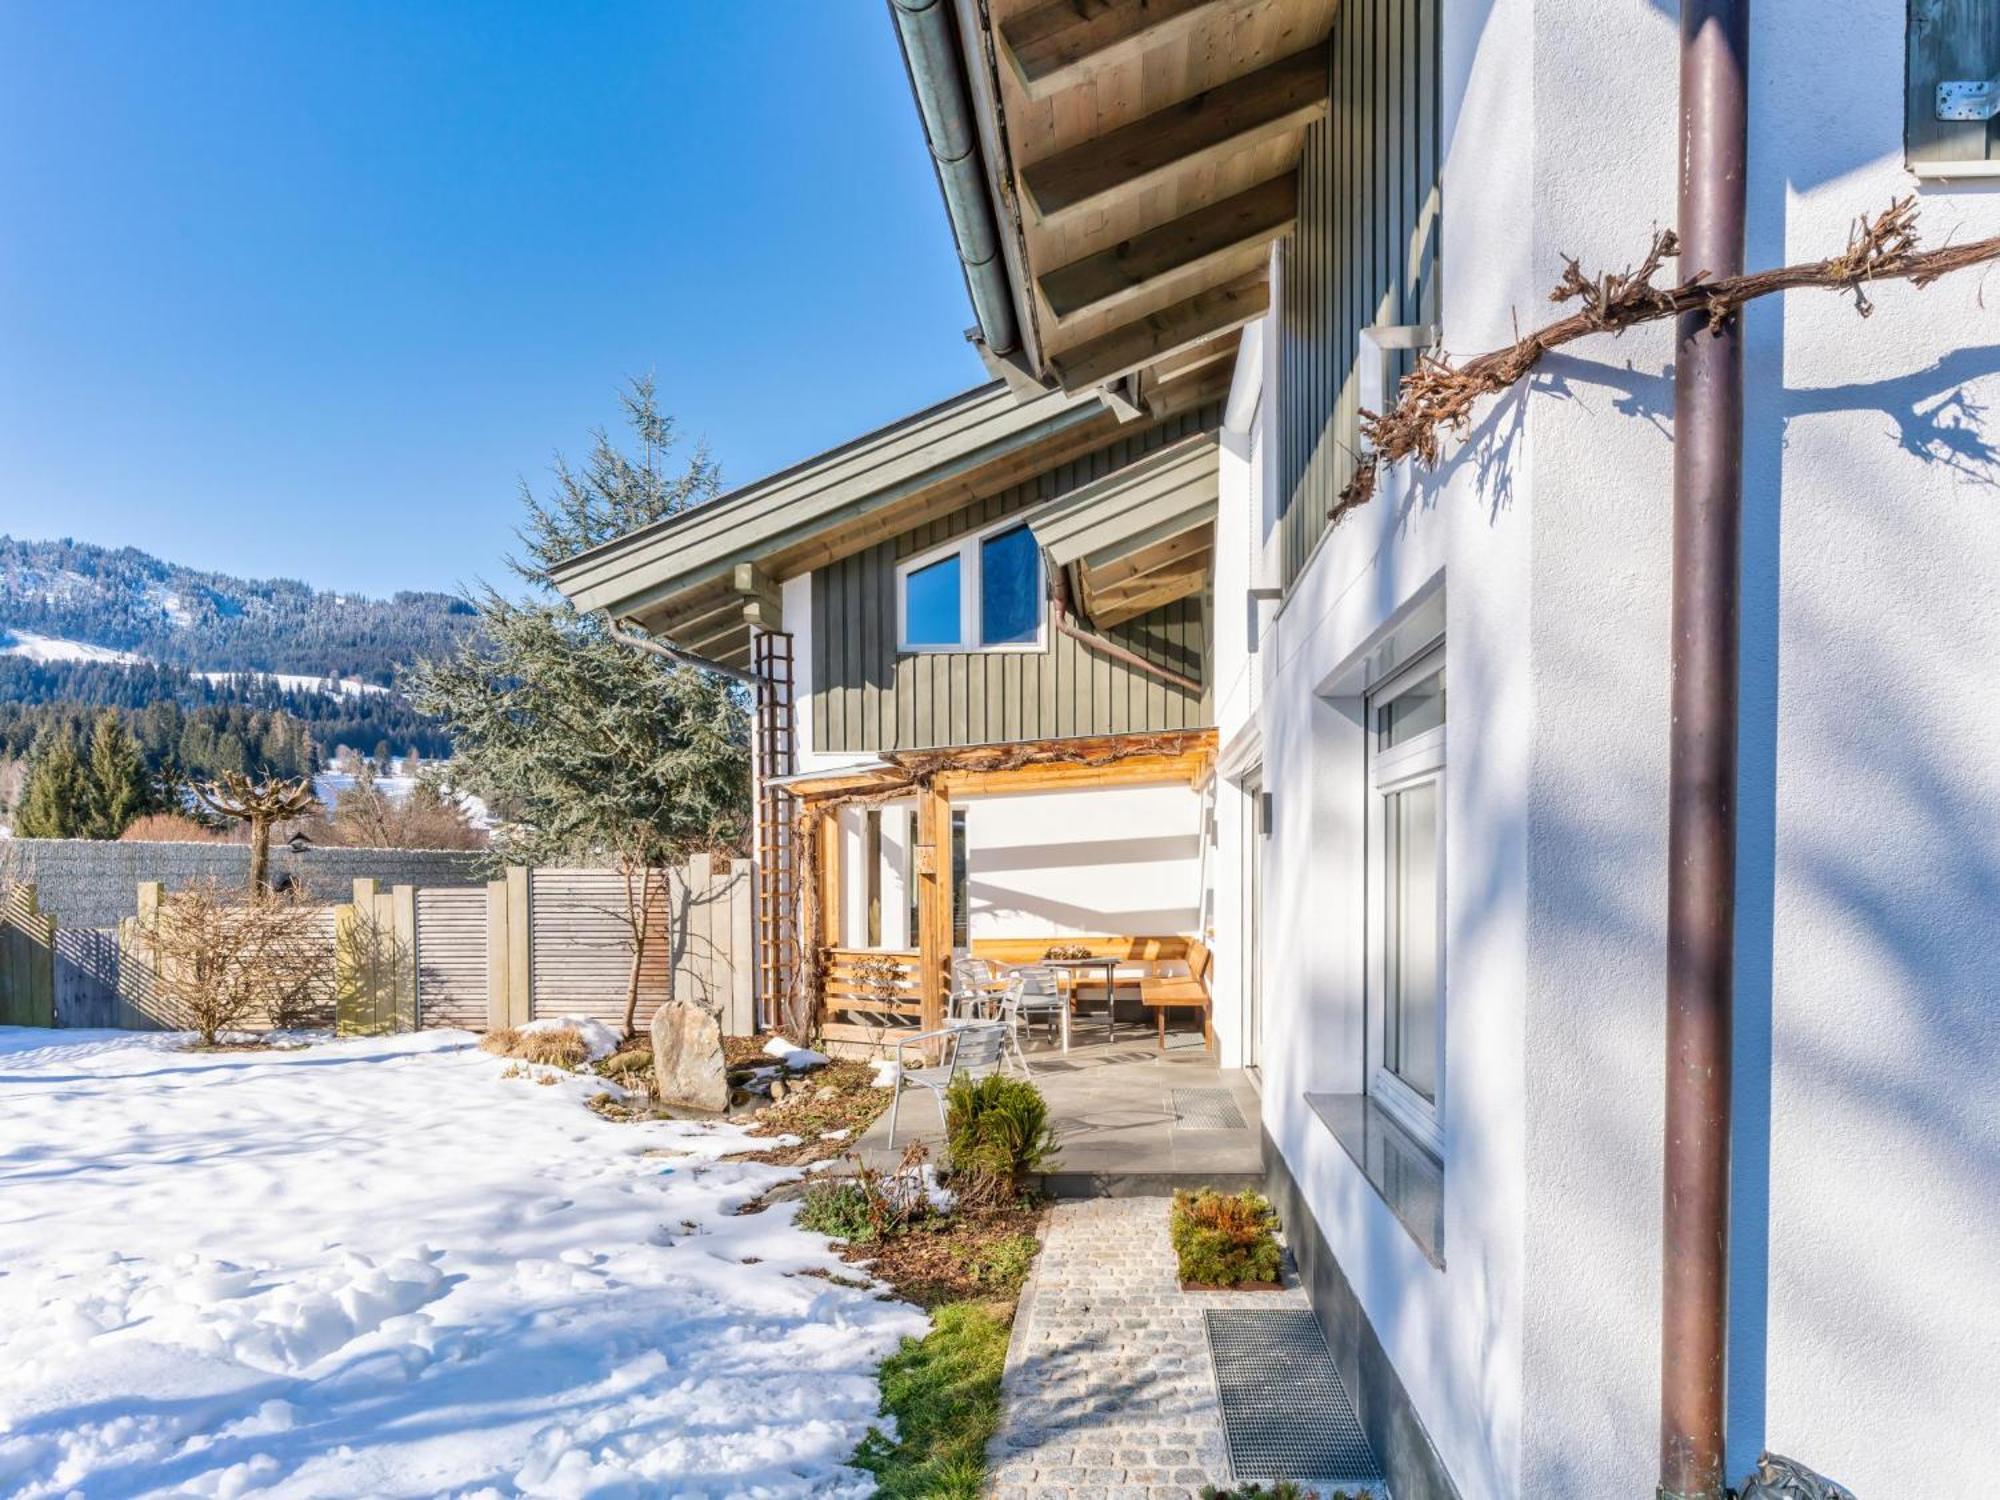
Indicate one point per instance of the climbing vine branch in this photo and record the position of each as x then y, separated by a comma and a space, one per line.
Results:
1438, 396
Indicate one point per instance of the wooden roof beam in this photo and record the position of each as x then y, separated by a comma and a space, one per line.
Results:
1223, 237
1060, 42
1113, 613
1099, 174
1203, 316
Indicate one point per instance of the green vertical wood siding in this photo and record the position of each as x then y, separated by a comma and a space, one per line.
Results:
1365, 252
865, 695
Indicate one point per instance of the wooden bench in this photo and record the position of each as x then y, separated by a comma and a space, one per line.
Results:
1162, 994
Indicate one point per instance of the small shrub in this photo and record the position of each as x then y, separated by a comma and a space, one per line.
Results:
997, 1131
224, 962
871, 1205
836, 1207
1225, 1239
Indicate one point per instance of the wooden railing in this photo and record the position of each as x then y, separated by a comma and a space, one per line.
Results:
859, 1011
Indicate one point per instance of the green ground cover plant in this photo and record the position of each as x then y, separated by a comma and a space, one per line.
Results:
1225, 1239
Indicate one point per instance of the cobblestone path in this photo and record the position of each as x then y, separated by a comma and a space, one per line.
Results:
1109, 1392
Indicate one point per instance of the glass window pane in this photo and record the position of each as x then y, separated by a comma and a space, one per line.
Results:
1010, 588
1410, 950
1416, 710
930, 604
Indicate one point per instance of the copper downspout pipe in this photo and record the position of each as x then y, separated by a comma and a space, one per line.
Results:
1701, 828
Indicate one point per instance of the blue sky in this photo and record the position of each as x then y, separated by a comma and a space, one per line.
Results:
305, 290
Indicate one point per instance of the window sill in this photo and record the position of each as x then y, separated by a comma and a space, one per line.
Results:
1406, 1176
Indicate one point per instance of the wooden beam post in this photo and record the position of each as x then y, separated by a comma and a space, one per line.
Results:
520, 958
496, 955
831, 888
403, 953
933, 901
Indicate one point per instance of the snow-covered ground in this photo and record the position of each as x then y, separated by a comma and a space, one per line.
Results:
295, 682
44, 649
376, 1267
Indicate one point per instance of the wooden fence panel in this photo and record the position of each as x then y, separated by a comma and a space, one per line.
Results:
87, 973
580, 946
27, 960
714, 924
451, 958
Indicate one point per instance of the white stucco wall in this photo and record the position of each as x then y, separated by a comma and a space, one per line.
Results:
1117, 860
1866, 1309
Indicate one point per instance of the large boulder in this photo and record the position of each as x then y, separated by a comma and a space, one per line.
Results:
687, 1058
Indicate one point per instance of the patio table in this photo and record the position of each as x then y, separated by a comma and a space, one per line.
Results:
1075, 967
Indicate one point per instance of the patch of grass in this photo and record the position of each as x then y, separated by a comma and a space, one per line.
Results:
944, 1392
554, 1049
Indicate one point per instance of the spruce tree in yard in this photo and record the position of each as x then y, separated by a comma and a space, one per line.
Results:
55, 803
586, 750
119, 787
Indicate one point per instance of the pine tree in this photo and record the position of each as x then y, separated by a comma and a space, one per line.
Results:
119, 787
55, 804
588, 749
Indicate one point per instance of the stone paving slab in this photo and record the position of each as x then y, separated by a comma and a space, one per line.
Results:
1109, 1392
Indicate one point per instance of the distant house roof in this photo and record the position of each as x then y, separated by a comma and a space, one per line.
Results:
702, 578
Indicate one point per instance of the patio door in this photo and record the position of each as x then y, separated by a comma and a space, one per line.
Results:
1256, 831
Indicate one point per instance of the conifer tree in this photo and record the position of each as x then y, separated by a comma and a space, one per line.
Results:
585, 749
119, 788
55, 804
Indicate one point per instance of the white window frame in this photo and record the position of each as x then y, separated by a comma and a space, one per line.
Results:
970, 582
1416, 761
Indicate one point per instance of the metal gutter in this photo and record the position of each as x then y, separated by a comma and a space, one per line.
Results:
937, 77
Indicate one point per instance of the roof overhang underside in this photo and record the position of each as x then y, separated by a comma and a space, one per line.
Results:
1140, 537
705, 578
1141, 159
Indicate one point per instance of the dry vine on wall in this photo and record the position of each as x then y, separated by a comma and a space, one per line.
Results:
1438, 396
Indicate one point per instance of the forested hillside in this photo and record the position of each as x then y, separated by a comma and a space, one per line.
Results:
128, 600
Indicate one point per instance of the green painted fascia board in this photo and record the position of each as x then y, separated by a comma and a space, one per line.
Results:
627, 575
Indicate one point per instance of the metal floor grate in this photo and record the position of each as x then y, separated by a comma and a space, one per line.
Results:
1285, 1413
1204, 1109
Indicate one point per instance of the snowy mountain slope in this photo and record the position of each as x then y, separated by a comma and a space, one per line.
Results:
127, 601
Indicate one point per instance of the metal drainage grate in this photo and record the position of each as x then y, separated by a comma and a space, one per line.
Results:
1285, 1413
1204, 1109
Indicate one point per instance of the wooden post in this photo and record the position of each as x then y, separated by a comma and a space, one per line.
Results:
403, 953
497, 949
382, 995
742, 947
831, 891
520, 965
368, 957
933, 901
350, 969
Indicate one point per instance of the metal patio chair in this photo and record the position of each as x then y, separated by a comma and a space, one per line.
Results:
1033, 993
973, 1050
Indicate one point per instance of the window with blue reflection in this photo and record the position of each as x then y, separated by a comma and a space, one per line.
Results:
930, 604
1010, 588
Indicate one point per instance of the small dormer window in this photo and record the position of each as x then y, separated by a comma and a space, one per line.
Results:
982, 592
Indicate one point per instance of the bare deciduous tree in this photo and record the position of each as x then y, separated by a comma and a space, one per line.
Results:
259, 803
223, 964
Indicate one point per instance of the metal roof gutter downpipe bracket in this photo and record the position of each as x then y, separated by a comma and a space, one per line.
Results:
1701, 827
937, 75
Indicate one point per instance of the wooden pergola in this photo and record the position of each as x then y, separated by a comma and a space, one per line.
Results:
933, 778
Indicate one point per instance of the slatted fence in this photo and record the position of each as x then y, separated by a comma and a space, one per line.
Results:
536, 943
27, 959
